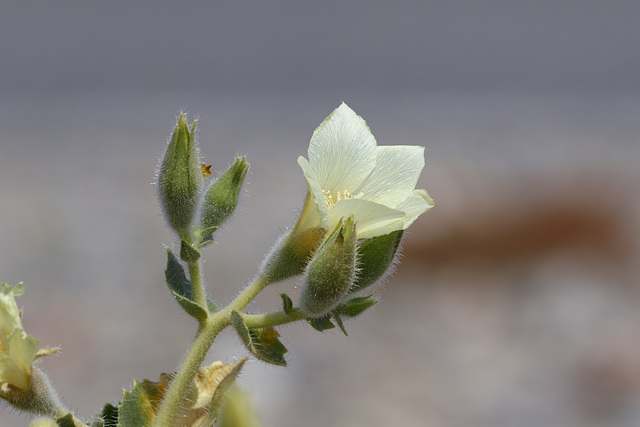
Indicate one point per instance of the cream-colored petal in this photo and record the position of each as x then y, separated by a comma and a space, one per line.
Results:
415, 205
317, 197
395, 175
372, 219
16, 361
342, 151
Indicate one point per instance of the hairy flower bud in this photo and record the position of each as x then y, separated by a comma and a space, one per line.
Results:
331, 271
291, 254
180, 178
221, 198
375, 259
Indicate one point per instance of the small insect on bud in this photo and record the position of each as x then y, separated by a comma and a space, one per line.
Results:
221, 198
331, 271
180, 178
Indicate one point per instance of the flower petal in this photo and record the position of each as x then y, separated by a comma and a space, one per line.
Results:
415, 205
372, 218
342, 151
319, 215
16, 361
395, 175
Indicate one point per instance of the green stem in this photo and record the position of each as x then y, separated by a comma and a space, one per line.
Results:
273, 319
197, 284
208, 331
249, 293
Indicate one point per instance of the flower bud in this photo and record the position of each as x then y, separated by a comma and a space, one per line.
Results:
221, 198
291, 254
375, 259
180, 178
331, 271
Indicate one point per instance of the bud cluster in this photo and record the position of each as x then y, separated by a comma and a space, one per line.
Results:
193, 209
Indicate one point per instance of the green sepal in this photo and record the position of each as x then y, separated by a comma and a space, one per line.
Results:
375, 257
355, 306
206, 236
338, 319
263, 343
68, 421
140, 405
108, 417
287, 304
181, 287
213, 308
321, 323
188, 253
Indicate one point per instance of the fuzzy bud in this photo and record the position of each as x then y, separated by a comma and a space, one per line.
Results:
375, 259
331, 271
221, 198
180, 178
291, 254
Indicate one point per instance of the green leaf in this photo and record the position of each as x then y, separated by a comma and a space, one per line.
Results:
321, 323
68, 421
261, 342
212, 306
207, 236
188, 253
287, 304
338, 319
181, 287
108, 417
140, 404
355, 306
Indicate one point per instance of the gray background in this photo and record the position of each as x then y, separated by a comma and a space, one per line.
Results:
517, 300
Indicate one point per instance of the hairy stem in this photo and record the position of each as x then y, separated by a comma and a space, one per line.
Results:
197, 284
273, 319
207, 333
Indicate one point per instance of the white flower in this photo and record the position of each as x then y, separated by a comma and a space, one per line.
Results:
348, 174
17, 349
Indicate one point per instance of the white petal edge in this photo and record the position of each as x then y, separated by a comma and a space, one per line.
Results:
316, 194
372, 219
415, 205
395, 176
342, 151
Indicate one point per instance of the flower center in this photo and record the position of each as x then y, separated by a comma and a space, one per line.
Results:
333, 198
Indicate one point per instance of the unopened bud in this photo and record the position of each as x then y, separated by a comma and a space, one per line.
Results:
331, 271
291, 254
375, 259
221, 198
180, 178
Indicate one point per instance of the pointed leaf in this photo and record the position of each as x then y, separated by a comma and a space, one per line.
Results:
212, 306
287, 304
108, 417
181, 287
140, 404
356, 306
321, 323
69, 421
338, 319
188, 253
261, 342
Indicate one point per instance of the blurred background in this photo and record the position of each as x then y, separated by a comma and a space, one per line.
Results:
516, 303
